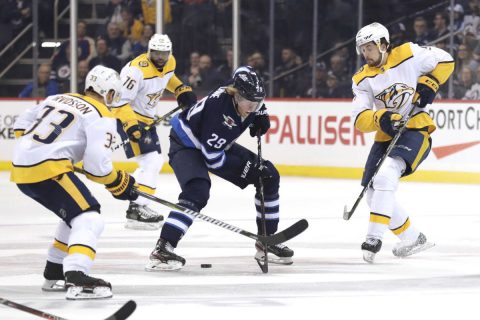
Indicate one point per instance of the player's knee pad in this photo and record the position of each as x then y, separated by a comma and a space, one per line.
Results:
271, 178
389, 174
89, 221
196, 191
152, 161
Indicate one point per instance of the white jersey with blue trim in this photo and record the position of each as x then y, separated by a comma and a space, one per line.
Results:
211, 125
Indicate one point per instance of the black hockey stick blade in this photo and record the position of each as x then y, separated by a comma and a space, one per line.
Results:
124, 312
285, 235
263, 264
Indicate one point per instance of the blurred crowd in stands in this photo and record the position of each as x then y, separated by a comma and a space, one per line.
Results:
201, 32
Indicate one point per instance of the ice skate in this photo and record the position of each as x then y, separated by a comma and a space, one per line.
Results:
407, 248
370, 248
54, 279
83, 287
163, 258
278, 254
141, 217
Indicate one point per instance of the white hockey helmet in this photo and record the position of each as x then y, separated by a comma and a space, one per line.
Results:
102, 80
372, 32
160, 42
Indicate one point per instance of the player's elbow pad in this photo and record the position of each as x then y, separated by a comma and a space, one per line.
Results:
364, 121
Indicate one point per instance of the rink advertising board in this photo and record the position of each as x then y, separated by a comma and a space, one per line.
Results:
317, 138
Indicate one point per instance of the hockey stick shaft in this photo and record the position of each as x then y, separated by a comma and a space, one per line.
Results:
159, 120
121, 314
285, 235
263, 266
146, 128
348, 214
38, 313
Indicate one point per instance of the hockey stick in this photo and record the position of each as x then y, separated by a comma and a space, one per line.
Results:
123, 313
263, 266
285, 235
160, 119
403, 126
146, 128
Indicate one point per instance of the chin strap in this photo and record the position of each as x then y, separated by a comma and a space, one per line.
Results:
384, 57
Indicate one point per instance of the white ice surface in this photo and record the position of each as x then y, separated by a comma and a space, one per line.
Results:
328, 279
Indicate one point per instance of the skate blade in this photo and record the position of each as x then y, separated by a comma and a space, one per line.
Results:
423, 247
171, 265
81, 293
137, 225
54, 286
273, 259
368, 256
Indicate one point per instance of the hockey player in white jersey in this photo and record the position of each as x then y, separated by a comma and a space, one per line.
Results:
144, 80
393, 81
52, 137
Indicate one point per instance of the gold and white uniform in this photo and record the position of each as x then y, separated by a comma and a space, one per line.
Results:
393, 85
61, 131
143, 86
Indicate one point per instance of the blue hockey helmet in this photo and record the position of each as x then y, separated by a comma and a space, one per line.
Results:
249, 84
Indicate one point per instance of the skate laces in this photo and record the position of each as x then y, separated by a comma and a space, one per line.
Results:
372, 241
148, 213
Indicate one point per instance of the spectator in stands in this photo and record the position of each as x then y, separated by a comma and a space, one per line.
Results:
132, 28
474, 92
113, 11
119, 46
457, 16
85, 43
338, 67
210, 78
440, 25
81, 75
82, 70
420, 29
471, 25
464, 58
104, 57
287, 86
46, 86
61, 67
321, 89
142, 45
334, 90
192, 75
463, 84
225, 70
257, 61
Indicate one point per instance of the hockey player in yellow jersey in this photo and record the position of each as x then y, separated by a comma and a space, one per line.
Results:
53, 136
144, 80
393, 81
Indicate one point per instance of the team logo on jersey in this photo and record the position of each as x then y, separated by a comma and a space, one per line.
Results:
154, 97
229, 122
143, 63
396, 96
